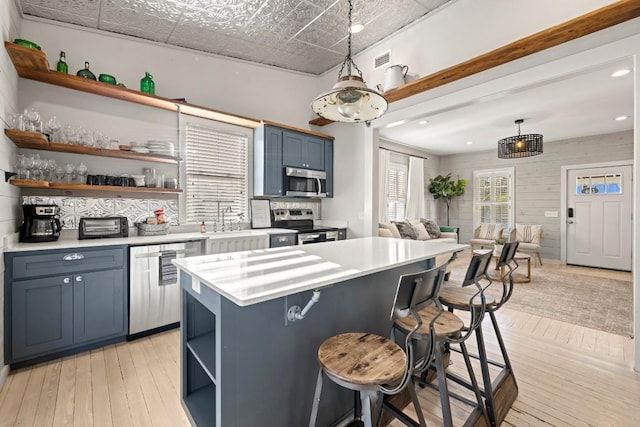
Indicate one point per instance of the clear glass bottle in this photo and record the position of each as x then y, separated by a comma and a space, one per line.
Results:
62, 66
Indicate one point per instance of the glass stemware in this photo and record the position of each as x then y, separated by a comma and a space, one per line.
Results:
52, 128
34, 124
82, 173
59, 172
70, 170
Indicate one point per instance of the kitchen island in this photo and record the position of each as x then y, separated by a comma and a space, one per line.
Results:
244, 363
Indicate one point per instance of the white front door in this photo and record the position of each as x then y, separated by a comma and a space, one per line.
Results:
599, 221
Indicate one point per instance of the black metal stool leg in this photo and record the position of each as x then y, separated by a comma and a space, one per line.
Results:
486, 378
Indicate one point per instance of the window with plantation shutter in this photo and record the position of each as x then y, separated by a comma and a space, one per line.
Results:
397, 187
216, 167
493, 197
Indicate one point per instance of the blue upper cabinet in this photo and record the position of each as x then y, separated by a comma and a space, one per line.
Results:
302, 151
267, 161
278, 147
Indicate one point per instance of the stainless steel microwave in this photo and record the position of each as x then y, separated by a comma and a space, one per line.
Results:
299, 182
95, 228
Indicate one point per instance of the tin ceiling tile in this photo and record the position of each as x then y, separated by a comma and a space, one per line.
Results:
60, 15
89, 9
255, 30
151, 19
199, 39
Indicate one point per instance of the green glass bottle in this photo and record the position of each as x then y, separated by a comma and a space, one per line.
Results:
62, 66
86, 73
147, 85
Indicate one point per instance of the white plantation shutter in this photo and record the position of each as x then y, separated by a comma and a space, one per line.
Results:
397, 174
493, 197
216, 168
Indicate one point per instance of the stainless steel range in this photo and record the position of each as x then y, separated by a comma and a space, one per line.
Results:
302, 221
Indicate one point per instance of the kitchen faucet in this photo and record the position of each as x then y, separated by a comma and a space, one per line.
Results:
227, 209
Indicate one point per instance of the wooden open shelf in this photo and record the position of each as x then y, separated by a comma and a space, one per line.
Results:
32, 64
39, 141
83, 187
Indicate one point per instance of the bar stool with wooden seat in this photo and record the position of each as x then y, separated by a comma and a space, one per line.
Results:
450, 329
497, 403
371, 364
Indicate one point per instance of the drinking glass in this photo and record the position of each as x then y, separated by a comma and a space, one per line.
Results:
52, 128
28, 165
59, 174
82, 173
70, 170
34, 123
16, 121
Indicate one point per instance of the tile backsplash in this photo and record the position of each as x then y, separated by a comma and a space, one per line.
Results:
136, 210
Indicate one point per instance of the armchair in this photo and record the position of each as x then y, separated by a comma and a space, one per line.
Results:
529, 237
485, 235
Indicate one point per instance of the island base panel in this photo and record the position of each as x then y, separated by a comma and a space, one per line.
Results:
267, 367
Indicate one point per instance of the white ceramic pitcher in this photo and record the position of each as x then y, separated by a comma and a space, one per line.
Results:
394, 76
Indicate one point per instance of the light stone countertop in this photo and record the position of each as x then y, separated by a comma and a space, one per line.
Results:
71, 240
251, 277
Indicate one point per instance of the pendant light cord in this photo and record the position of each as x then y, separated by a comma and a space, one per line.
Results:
347, 60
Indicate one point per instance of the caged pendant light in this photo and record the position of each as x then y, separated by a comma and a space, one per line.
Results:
350, 100
515, 147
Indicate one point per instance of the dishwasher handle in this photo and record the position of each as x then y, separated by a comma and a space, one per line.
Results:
174, 251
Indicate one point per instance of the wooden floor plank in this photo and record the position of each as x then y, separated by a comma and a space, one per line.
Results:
149, 388
140, 415
10, 407
49, 394
120, 413
101, 400
83, 405
29, 405
63, 415
169, 394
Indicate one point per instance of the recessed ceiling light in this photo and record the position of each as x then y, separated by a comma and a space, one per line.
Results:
469, 142
620, 118
398, 123
621, 72
423, 122
356, 28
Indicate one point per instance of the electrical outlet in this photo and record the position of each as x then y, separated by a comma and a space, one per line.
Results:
551, 214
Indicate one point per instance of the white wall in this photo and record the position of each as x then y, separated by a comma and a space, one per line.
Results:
464, 30
537, 181
232, 86
10, 27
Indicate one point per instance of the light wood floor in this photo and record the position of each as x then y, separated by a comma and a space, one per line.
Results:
567, 376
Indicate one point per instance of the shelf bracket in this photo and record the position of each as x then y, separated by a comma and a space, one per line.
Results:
8, 175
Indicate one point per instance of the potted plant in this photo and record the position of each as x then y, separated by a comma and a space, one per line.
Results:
498, 245
443, 187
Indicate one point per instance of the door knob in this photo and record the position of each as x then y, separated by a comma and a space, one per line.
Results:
569, 221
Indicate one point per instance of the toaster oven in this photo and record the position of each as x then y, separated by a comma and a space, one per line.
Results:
99, 227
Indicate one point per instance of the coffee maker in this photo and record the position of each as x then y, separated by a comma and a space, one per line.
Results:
41, 223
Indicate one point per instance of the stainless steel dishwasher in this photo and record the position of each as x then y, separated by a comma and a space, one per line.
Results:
154, 290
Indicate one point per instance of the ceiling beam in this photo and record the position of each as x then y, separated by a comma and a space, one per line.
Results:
599, 19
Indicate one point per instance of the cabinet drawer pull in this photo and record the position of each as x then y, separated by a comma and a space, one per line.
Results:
283, 239
66, 280
73, 257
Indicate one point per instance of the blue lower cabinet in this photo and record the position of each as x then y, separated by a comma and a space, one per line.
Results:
41, 316
98, 305
80, 306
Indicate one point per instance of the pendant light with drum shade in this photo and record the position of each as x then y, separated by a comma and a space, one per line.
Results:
515, 147
350, 100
